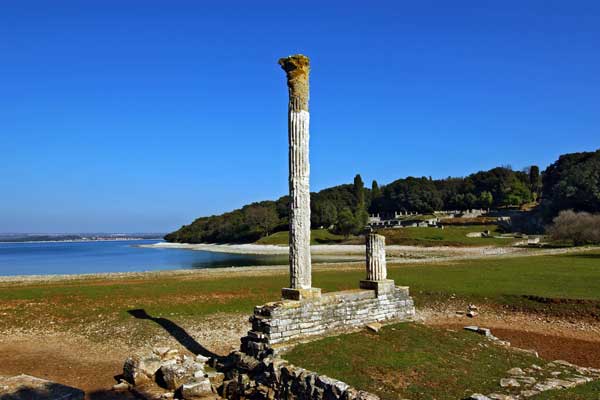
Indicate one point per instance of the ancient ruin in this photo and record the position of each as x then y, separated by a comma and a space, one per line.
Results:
376, 266
297, 69
303, 312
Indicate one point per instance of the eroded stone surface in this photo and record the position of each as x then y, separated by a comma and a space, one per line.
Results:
297, 69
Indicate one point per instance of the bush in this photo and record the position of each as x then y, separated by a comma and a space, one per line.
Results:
579, 227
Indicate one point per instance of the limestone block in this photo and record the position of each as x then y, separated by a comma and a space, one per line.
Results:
138, 369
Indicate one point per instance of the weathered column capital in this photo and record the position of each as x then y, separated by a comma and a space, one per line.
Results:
297, 68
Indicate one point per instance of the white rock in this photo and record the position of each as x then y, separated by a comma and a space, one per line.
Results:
509, 382
515, 371
197, 389
478, 396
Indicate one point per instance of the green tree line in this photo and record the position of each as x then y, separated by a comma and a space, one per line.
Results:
572, 182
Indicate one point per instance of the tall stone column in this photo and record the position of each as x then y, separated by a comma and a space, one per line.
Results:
297, 68
376, 266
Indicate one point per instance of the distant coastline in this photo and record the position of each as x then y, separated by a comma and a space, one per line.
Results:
76, 237
128, 239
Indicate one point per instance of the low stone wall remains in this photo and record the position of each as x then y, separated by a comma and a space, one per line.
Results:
284, 321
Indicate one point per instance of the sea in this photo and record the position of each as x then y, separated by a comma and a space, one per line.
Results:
88, 257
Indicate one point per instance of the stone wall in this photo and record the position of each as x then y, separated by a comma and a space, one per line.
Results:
274, 378
283, 321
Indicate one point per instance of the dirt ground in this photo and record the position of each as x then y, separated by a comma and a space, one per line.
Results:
65, 360
93, 366
576, 341
74, 360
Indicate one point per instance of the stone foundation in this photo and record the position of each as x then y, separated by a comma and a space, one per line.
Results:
284, 321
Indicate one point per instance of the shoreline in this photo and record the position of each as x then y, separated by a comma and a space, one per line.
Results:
326, 257
393, 261
330, 249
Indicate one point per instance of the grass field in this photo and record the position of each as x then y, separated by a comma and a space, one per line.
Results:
449, 236
399, 362
545, 283
562, 284
395, 364
317, 236
98, 308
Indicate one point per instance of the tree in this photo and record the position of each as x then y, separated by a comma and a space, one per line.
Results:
346, 223
580, 228
375, 191
361, 218
359, 192
324, 214
485, 199
535, 181
572, 182
262, 218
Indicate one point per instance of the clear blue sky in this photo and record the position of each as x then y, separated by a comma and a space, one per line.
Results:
142, 115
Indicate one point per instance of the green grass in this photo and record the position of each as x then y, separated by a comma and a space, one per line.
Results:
503, 282
451, 235
589, 391
317, 236
530, 283
410, 360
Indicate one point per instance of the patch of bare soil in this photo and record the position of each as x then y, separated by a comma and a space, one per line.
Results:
576, 341
75, 360
64, 360
577, 351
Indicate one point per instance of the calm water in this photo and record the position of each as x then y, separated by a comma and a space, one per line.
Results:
113, 256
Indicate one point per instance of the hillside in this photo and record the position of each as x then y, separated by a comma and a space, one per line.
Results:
573, 181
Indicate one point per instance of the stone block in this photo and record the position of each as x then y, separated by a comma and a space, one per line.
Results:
381, 288
300, 294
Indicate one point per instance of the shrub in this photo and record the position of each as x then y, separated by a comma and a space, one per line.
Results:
579, 227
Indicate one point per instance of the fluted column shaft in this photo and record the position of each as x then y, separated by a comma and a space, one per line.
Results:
297, 69
376, 264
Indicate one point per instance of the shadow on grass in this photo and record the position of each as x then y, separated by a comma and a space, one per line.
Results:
176, 331
592, 256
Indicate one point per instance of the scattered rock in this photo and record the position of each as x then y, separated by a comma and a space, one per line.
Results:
515, 371
478, 396
500, 396
563, 363
374, 327
529, 393
201, 359
215, 378
509, 382
150, 391
138, 369
527, 380
196, 389
121, 386
174, 375
472, 314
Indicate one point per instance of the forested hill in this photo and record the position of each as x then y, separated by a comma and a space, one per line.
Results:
573, 181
